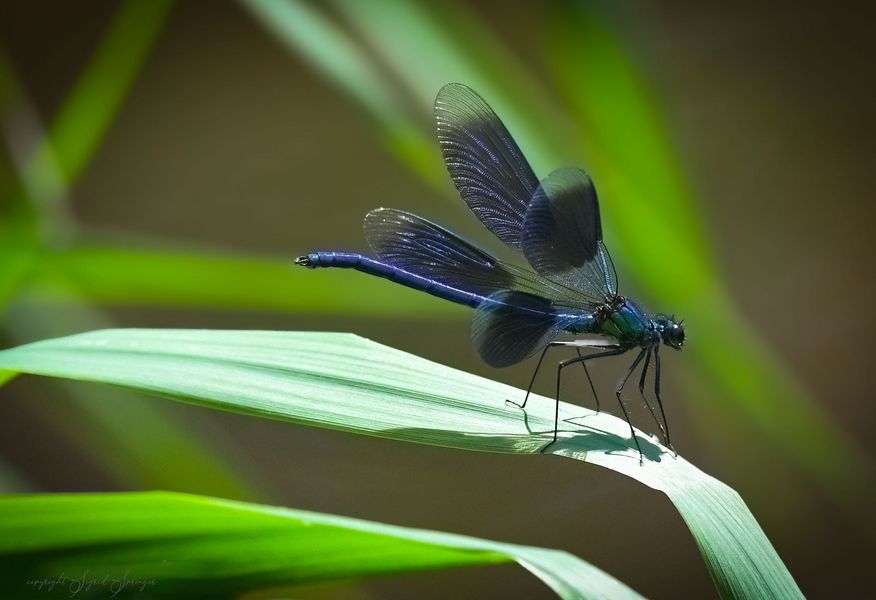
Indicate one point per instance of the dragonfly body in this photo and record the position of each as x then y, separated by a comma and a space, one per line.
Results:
569, 285
578, 324
618, 317
366, 264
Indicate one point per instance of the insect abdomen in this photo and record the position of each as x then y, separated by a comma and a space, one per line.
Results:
366, 264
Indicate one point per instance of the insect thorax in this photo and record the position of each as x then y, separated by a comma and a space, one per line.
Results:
623, 319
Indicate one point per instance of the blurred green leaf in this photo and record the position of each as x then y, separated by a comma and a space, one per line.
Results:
19, 248
649, 206
188, 546
32, 192
424, 56
128, 274
81, 124
19, 227
329, 50
343, 382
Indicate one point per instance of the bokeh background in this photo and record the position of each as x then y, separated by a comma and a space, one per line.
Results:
162, 163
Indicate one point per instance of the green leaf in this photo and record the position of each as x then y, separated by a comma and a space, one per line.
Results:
19, 249
19, 227
138, 274
343, 382
187, 545
343, 62
425, 54
631, 154
167, 451
80, 125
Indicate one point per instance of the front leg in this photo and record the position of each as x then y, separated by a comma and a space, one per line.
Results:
620, 401
659, 401
645, 398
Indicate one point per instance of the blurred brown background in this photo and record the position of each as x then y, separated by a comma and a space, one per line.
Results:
228, 140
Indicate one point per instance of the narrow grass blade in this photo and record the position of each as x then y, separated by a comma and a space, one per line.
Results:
630, 152
30, 185
344, 63
77, 130
19, 217
425, 56
343, 382
18, 254
185, 545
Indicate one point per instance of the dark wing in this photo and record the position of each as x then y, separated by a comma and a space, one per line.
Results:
520, 312
485, 163
423, 248
511, 326
562, 235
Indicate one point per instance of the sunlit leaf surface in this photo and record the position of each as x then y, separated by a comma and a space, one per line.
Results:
344, 382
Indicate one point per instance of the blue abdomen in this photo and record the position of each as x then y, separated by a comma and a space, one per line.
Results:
366, 264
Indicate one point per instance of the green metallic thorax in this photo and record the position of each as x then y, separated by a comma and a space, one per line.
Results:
627, 322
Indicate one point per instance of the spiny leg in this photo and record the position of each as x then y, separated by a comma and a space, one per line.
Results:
645, 398
532, 381
590, 381
659, 401
560, 368
624, 408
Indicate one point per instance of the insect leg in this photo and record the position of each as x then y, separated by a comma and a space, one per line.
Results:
657, 393
560, 368
532, 381
624, 408
590, 381
645, 398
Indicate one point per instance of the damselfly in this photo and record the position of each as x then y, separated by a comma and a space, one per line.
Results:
571, 285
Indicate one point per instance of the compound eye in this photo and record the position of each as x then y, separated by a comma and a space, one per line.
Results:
676, 335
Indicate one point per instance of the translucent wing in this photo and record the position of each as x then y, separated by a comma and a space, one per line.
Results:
485, 163
511, 326
562, 235
419, 246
